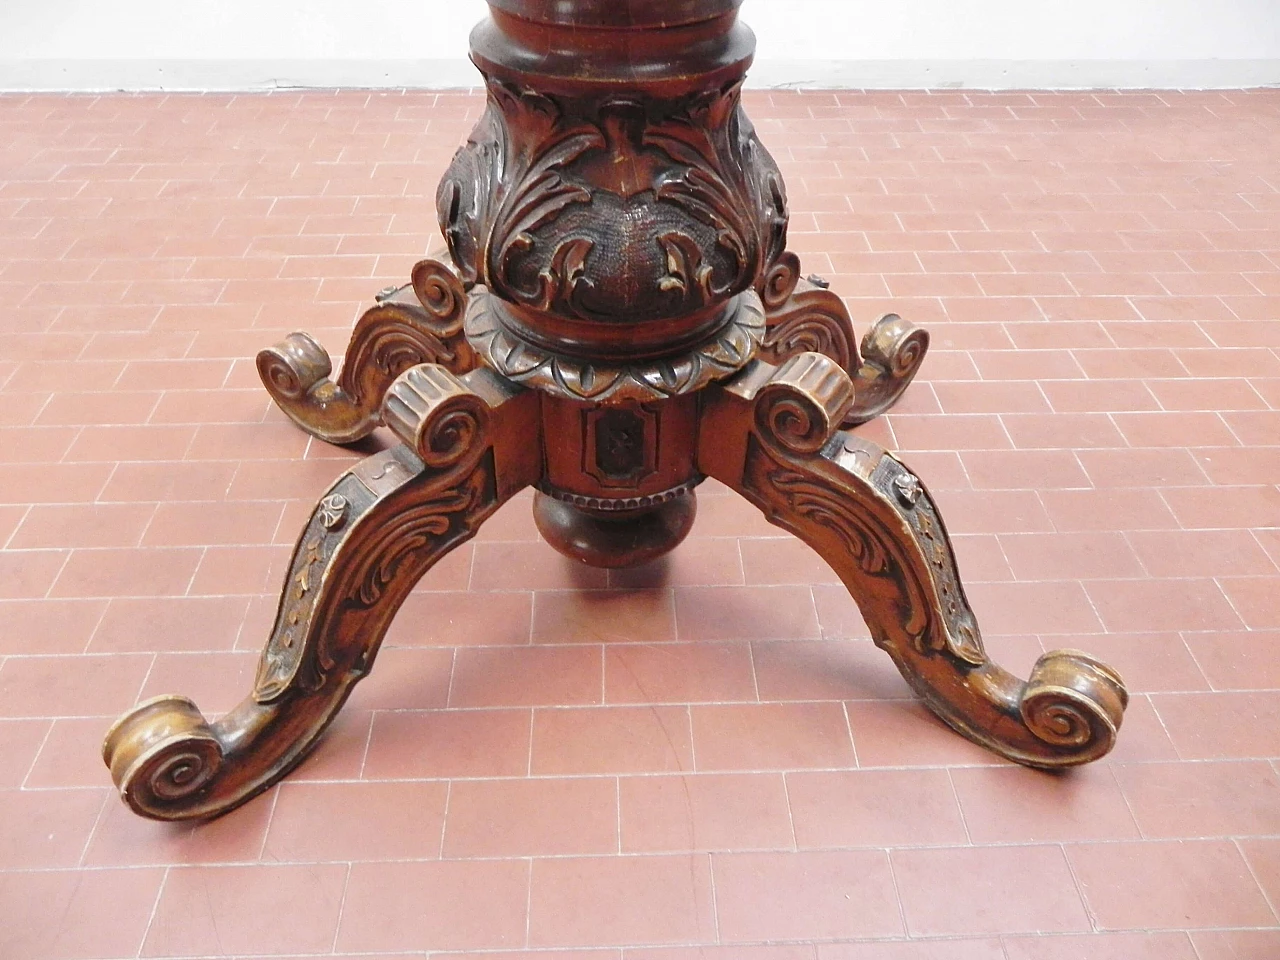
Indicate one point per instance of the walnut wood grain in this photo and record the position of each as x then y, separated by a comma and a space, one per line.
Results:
772, 435
372, 536
420, 323
618, 319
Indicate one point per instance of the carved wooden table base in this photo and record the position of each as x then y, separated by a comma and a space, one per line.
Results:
620, 320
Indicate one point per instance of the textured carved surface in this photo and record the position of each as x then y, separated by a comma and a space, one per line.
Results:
639, 381
892, 352
809, 319
369, 540
611, 208
877, 526
620, 245
812, 318
388, 339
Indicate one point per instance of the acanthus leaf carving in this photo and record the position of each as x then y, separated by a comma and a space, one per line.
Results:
687, 275
537, 193
654, 183
561, 282
713, 181
421, 528
464, 198
368, 560
946, 626
718, 357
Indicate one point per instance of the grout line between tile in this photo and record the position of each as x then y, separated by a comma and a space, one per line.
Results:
533, 713
791, 816
617, 809
955, 794
1244, 621
897, 892
1075, 880
1272, 903
271, 816
693, 747
342, 906
39, 750
368, 741
48, 593
528, 900
711, 879
155, 907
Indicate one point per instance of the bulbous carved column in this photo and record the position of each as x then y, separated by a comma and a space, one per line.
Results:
615, 197
618, 217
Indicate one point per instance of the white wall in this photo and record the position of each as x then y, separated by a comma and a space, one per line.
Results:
243, 44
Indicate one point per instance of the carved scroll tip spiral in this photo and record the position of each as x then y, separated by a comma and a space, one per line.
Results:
780, 281
892, 353
163, 757
896, 345
436, 414
1074, 704
290, 368
442, 293
802, 405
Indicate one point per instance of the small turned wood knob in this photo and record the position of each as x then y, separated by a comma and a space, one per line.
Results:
616, 538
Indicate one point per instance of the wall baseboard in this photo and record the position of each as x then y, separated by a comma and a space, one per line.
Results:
234, 75
454, 73
1016, 74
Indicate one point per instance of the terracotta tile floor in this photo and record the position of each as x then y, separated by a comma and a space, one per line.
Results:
707, 760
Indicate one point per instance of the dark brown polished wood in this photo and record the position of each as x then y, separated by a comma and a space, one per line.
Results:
619, 320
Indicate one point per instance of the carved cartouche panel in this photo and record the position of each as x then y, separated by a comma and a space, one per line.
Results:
616, 209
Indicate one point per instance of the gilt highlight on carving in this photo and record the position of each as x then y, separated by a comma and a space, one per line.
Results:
618, 319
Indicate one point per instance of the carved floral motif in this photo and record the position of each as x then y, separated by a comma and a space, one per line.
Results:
614, 209
389, 338
641, 381
368, 561
873, 547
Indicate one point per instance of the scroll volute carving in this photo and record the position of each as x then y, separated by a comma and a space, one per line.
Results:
614, 209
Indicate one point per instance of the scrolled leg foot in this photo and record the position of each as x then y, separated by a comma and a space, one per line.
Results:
1072, 701
421, 323
469, 446
802, 315
160, 753
892, 352
292, 367
771, 435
